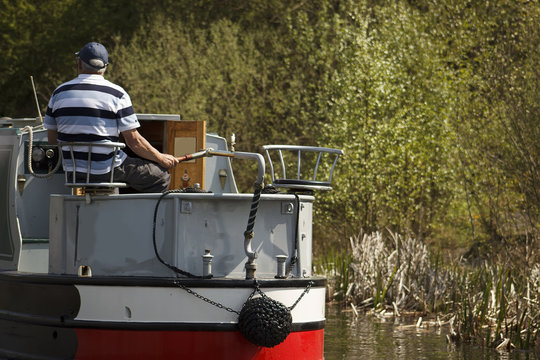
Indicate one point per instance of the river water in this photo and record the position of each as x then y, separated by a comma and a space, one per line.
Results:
348, 338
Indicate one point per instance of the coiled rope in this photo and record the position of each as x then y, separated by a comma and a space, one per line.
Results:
29, 159
248, 234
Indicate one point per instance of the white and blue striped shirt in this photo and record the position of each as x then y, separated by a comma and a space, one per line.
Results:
90, 108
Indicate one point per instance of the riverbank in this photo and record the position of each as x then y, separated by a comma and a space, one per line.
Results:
493, 303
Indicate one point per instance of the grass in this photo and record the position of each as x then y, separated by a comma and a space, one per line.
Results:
492, 303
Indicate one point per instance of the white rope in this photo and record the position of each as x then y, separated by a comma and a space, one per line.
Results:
30, 129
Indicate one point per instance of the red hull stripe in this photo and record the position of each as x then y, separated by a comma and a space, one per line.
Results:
140, 344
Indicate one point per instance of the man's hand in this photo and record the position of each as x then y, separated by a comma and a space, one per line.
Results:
168, 161
142, 147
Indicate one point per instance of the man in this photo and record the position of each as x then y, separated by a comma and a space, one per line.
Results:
92, 109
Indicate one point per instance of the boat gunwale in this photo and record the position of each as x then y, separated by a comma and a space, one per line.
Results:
150, 281
191, 196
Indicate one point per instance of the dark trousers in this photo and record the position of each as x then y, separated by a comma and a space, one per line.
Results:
139, 174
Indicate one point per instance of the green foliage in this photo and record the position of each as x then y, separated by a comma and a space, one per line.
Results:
209, 74
434, 107
389, 112
40, 38
435, 104
496, 120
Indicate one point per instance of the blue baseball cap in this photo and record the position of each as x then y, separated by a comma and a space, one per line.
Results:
95, 55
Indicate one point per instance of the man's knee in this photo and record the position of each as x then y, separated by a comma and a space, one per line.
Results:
145, 176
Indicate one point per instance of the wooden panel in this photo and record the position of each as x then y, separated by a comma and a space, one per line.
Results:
153, 131
184, 137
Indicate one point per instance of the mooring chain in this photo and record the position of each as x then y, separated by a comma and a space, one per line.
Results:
255, 290
306, 290
258, 290
205, 299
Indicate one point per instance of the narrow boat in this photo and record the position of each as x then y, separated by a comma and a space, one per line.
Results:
95, 271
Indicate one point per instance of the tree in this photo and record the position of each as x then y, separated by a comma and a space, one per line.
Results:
390, 114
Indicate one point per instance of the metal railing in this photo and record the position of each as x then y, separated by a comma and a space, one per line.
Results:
75, 182
298, 181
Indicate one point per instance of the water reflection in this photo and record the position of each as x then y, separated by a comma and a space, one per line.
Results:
366, 338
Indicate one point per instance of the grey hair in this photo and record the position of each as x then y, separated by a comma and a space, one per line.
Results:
90, 69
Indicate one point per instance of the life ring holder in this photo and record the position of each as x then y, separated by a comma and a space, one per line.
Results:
299, 181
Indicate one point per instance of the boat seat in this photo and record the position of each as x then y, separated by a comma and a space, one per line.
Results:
88, 186
290, 158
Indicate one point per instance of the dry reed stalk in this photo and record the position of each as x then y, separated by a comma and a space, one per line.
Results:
496, 305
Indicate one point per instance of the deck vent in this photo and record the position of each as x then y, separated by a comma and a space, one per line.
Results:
85, 271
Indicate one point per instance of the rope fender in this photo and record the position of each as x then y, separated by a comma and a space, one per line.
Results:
264, 321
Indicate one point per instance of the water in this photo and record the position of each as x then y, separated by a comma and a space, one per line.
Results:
347, 338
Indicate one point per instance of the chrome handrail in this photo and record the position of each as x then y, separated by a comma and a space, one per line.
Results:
116, 146
298, 182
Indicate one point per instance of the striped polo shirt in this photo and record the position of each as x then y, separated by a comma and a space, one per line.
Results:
90, 108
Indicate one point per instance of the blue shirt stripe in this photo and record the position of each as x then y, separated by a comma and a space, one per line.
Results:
80, 122
126, 112
90, 109
85, 138
89, 87
84, 156
84, 111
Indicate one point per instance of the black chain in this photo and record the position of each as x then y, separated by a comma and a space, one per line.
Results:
255, 290
306, 290
211, 302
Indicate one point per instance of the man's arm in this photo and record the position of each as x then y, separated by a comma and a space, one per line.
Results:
142, 147
52, 137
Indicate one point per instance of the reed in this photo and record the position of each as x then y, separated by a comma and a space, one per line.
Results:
335, 266
490, 304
